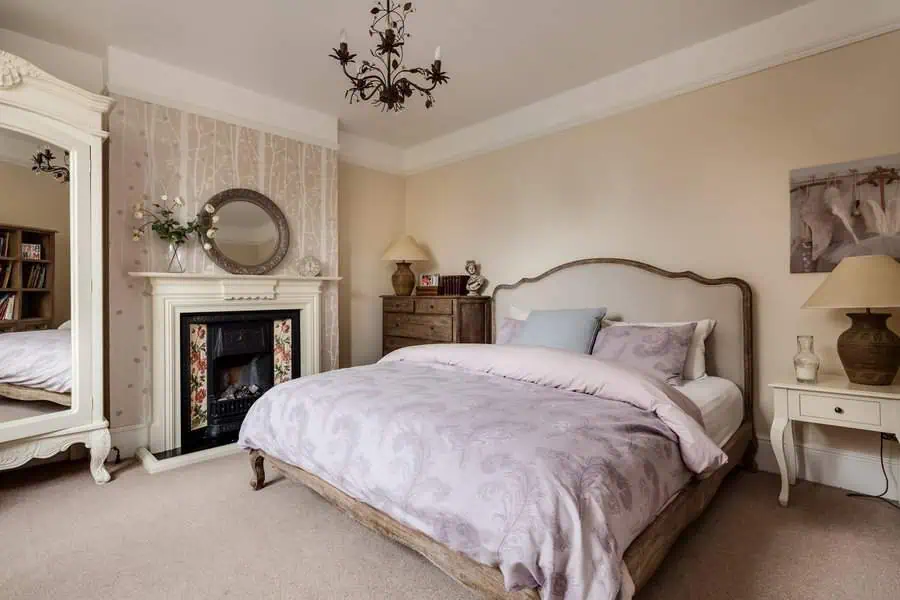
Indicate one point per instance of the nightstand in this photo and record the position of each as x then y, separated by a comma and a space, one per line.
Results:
831, 401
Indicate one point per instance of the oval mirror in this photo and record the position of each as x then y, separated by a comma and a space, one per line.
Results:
252, 234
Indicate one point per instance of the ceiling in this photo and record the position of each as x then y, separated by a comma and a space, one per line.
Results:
500, 54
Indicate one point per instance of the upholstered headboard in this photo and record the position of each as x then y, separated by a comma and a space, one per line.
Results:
636, 291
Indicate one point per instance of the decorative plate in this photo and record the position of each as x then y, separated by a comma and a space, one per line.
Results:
310, 266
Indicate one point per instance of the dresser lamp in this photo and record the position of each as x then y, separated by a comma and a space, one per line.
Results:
869, 351
404, 251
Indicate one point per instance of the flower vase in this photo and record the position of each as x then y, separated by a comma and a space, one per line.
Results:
176, 258
806, 363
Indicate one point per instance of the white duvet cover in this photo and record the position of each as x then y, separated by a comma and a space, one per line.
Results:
37, 359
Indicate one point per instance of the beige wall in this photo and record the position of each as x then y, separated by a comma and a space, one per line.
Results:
31, 200
696, 182
156, 150
371, 216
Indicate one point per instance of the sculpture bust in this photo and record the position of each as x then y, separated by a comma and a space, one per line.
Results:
476, 280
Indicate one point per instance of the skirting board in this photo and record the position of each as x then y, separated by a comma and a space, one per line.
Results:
129, 438
838, 468
154, 465
852, 471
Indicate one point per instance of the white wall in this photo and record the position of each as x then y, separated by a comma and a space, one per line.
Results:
79, 68
696, 182
371, 214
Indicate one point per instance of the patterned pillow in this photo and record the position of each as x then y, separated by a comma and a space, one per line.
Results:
659, 352
509, 330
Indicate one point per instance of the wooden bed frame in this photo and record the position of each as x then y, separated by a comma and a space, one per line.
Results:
18, 392
646, 552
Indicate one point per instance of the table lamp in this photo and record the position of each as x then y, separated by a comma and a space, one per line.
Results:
404, 251
869, 351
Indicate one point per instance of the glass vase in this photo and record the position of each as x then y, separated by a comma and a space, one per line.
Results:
806, 363
176, 258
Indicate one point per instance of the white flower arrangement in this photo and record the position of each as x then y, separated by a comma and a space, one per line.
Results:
160, 218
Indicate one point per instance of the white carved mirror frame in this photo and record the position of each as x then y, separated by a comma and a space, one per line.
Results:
37, 104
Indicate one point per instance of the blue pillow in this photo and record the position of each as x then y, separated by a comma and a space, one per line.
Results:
572, 329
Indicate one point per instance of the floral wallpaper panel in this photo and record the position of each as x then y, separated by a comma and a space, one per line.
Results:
155, 150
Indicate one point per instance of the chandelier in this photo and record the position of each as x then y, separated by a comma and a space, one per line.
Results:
386, 81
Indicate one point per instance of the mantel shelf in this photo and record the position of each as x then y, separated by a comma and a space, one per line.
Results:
227, 276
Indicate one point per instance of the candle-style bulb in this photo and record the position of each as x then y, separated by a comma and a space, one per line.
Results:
343, 36
437, 53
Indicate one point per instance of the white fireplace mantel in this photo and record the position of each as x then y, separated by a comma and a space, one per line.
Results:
174, 294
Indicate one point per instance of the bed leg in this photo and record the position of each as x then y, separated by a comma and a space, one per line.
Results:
748, 461
259, 471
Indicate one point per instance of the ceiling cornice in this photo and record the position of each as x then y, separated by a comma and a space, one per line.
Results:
369, 153
136, 76
810, 29
804, 31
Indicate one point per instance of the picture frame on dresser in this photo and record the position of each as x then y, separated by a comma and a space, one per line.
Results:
36, 105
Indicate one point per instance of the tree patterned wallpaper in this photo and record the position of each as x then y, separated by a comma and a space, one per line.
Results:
155, 150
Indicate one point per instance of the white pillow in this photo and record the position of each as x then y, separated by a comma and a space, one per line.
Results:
519, 314
695, 363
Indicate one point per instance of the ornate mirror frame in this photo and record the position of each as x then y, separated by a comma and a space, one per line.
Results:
264, 202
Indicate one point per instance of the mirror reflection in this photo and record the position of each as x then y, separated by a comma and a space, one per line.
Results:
35, 330
246, 233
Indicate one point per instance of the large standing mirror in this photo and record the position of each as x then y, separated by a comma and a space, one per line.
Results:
35, 259
252, 235
52, 250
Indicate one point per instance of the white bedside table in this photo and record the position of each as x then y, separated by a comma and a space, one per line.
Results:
831, 401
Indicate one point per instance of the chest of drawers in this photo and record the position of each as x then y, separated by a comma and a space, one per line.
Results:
415, 320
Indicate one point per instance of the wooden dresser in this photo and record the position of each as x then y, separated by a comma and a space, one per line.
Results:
414, 320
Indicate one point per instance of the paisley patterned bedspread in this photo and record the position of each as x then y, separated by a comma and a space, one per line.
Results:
542, 462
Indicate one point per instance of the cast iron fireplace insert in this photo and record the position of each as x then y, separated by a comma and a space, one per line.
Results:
229, 360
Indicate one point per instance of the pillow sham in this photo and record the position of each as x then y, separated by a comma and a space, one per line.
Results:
509, 330
567, 329
659, 352
695, 364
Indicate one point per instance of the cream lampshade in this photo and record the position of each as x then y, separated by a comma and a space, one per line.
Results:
404, 251
869, 351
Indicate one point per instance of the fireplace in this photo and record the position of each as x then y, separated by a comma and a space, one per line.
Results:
229, 360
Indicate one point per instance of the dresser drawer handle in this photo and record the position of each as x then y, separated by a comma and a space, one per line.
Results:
839, 410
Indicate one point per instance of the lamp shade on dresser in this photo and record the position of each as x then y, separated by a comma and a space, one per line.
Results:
869, 350
403, 252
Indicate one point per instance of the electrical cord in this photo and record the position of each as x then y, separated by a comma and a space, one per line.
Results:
887, 485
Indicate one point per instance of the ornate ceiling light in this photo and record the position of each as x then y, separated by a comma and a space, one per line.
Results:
387, 82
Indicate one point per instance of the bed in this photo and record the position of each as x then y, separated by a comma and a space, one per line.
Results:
643, 293
37, 366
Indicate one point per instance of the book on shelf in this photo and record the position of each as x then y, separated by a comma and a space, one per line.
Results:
7, 307
5, 274
37, 277
4, 244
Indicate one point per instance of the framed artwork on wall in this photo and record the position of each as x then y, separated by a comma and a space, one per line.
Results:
844, 209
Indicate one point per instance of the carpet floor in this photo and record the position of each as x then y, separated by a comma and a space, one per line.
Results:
200, 532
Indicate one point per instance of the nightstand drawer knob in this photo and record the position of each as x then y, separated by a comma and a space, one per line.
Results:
839, 410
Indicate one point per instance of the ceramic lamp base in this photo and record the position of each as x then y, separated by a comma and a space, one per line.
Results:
869, 351
404, 280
